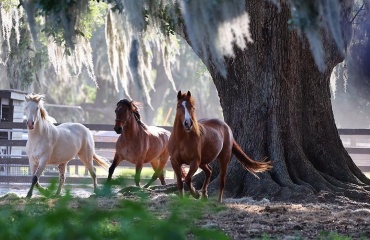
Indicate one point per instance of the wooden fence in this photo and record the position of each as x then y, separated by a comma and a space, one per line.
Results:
14, 165
357, 144
14, 162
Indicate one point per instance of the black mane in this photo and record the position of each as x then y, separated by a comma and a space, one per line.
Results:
134, 109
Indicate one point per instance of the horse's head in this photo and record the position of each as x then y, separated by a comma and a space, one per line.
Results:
186, 111
33, 109
124, 111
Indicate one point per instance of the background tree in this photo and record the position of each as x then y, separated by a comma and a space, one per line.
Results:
279, 106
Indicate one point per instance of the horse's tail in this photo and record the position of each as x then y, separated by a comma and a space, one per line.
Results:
101, 161
248, 163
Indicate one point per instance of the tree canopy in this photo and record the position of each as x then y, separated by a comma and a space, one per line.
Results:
134, 28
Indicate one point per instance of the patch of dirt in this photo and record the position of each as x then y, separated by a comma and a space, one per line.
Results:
245, 218
248, 219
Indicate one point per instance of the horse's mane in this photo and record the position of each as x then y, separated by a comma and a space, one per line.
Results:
135, 110
197, 128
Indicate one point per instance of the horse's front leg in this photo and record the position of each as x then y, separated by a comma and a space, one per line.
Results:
40, 168
178, 172
62, 177
192, 169
33, 166
34, 181
116, 160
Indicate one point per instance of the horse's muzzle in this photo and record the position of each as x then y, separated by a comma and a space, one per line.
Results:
188, 125
118, 130
30, 125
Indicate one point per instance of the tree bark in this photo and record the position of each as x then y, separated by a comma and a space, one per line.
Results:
278, 105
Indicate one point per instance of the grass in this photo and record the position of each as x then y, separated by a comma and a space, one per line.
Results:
133, 217
68, 218
146, 172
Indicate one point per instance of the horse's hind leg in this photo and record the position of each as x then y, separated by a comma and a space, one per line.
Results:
139, 167
162, 164
62, 177
224, 161
158, 167
87, 158
91, 169
207, 171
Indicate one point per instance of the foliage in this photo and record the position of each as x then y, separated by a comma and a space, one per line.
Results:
332, 236
56, 218
90, 93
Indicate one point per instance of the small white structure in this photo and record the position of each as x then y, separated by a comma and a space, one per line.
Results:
11, 110
11, 105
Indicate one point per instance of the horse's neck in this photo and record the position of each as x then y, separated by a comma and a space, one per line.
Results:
133, 129
41, 128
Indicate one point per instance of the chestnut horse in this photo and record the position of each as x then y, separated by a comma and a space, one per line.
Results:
139, 143
49, 144
198, 143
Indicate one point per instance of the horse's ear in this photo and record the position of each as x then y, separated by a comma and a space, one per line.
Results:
188, 94
179, 95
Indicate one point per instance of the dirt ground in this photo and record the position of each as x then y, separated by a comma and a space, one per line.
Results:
245, 218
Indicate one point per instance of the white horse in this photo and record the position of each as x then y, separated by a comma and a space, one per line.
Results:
50, 144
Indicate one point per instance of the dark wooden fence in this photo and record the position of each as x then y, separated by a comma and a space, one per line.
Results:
14, 162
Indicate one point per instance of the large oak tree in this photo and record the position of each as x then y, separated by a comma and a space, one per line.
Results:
278, 104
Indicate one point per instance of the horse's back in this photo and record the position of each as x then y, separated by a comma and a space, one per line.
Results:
148, 145
158, 132
216, 137
158, 138
72, 138
74, 129
215, 124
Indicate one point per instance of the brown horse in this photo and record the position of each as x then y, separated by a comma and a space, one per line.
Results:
139, 143
198, 143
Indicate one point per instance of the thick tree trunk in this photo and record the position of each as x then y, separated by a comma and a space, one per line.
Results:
278, 105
